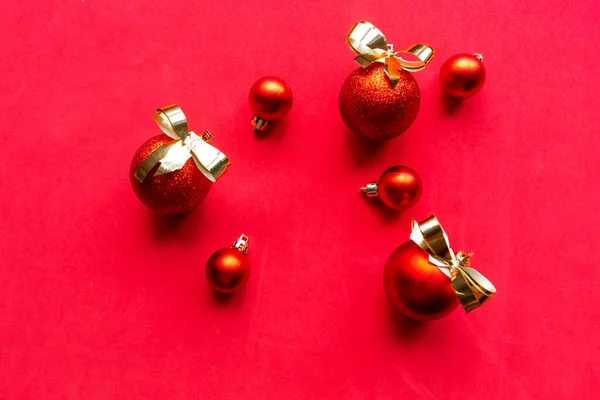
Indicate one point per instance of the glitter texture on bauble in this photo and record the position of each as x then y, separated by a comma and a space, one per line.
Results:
371, 108
172, 193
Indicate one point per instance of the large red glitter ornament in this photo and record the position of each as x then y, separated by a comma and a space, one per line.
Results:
462, 75
271, 99
372, 108
381, 99
399, 187
228, 270
176, 192
417, 288
172, 173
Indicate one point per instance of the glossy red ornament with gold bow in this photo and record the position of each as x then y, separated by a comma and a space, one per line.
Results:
424, 279
173, 173
228, 270
381, 99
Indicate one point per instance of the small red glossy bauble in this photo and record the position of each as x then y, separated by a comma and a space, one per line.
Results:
175, 192
399, 187
371, 108
228, 270
271, 98
462, 75
417, 288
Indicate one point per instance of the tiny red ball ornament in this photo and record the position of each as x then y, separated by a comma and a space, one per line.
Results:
228, 270
176, 192
270, 99
416, 287
399, 187
372, 108
462, 75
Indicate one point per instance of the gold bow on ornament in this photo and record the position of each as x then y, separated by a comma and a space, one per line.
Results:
472, 288
172, 156
371, 46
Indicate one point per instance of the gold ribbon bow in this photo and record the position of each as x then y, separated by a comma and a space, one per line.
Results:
173, 155
371, 46
472, 288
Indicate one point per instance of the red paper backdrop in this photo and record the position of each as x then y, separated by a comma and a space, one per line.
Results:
101, 299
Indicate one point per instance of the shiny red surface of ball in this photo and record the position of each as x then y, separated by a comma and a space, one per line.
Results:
417, 288
370, 107
175, 192
399, 187
227, 270
462, 75
271, 98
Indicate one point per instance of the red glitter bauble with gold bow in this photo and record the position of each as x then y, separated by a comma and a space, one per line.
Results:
416, 287
372, 108
171, 193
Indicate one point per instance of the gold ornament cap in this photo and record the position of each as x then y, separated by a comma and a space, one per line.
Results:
242, 244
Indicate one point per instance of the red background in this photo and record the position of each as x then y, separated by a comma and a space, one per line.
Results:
101, 299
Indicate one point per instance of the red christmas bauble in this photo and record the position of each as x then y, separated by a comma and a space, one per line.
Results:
370, 107
271, 98
227, 270
174, 192
399, 187
417, 288
462, 75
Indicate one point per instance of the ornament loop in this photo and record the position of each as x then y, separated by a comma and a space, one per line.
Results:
171, 120
371, 45
471, 288
206, 136
172, 156
242, 244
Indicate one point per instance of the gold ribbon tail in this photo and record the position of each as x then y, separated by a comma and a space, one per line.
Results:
209, 160
472, 288
171, 157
